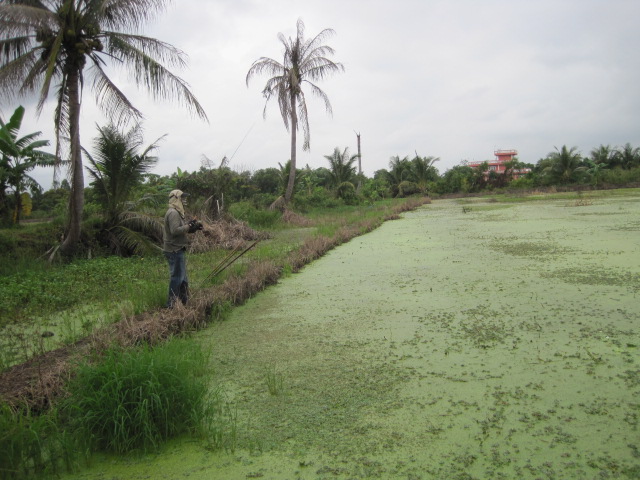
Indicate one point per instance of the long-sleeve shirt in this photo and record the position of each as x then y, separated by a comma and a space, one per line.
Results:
175, 231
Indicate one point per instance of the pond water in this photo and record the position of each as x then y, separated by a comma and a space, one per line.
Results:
490, 341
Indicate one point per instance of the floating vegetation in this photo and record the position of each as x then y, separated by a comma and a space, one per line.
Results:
597, 276
483, 327
629, 227
540, 250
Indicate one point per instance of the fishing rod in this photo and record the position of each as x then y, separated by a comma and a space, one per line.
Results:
242, 141
227, 261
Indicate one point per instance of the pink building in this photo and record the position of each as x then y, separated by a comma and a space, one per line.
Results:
498, 165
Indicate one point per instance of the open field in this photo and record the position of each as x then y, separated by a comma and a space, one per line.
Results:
471, 339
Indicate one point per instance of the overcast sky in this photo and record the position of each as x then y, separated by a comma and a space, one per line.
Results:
453, 79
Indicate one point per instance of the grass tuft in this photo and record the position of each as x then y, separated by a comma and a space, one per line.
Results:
135, 399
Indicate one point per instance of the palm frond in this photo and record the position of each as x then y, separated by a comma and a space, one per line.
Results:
265, 65
148, 72
16, 75
162, 52
136, 232
130, 14
19, 20
323, 96
110, 98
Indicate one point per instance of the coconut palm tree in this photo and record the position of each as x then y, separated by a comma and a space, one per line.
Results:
304, 62
628, 157
342, 166
19, 156
603, 154
423, 171
399, 171
564, 163
117, 167
67, 42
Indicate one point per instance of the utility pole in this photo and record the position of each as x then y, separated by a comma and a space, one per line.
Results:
359, 154
359, 162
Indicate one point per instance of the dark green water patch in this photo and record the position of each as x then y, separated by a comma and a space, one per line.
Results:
483, 327
540, 250
629, 227
597, 275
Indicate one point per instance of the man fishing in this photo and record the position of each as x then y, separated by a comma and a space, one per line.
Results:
175, 242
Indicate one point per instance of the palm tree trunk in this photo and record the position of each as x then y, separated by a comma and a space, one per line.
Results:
76, 199
18, 206
292, 169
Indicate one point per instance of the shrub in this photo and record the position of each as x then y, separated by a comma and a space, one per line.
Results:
256, 218
523, 183
406, 189
318, 198
347, 192
263, 200
619, 176
374, 190
135, 399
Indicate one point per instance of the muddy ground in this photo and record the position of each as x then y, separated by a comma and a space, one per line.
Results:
465, 341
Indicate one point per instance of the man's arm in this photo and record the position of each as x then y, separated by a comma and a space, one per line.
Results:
175, 223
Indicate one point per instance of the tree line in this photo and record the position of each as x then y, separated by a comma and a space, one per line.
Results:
126, 194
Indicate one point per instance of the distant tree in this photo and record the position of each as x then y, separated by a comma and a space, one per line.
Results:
342, 166
307, 180
20, 155
564, 164
594, 170
375, 188
455, 180
51, 202
603, 154
305, 61
46, 42
423, 171
321, 177
507, 176
481, 176
399, 171
216, 185
267, 181
628, 157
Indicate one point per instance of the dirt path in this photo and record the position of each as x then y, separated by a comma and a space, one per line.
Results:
497, 342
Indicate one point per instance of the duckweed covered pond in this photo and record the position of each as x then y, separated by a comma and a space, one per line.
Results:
451, 344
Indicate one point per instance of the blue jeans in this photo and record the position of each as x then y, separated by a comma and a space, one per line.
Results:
178, 281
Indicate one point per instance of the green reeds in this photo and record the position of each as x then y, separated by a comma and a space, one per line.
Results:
274, 380
35, 446
135, 399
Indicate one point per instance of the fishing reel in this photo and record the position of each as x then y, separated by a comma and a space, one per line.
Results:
195, 225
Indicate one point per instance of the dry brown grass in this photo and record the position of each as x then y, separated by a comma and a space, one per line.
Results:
311, 249
295, 219
227, 234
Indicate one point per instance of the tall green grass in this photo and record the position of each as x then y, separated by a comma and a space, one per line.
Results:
35, 446
127, 401
136, 399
